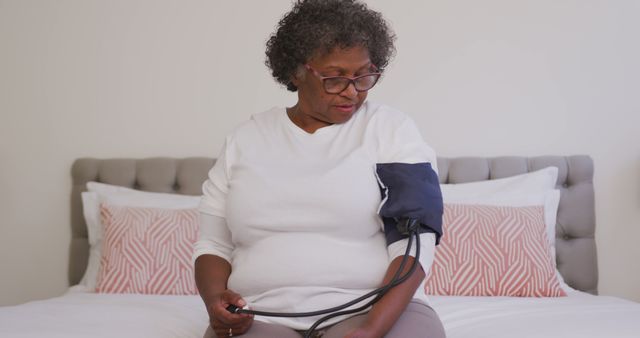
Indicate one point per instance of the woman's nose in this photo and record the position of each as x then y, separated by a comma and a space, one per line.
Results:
350, 91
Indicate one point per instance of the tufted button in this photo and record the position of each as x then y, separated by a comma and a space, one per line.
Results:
566, 237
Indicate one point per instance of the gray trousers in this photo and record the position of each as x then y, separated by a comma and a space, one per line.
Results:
418, 320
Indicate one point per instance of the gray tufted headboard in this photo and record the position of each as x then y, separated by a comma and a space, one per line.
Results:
575, 242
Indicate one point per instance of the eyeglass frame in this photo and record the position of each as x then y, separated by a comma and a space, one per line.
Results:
352, 80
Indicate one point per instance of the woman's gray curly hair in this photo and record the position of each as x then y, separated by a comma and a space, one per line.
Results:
314, 26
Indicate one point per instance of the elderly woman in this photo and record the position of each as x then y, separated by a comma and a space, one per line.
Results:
290, 210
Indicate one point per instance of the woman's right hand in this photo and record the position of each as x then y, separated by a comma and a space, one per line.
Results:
222, 320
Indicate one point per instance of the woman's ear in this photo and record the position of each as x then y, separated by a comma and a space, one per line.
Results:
298, 76
295, 81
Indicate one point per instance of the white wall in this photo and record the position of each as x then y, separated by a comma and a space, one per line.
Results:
147, 78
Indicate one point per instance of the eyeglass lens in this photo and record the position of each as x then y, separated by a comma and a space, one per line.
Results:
363, 83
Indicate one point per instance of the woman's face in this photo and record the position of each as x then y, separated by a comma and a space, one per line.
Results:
316, 108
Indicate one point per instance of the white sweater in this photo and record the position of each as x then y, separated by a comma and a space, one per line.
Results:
295, 214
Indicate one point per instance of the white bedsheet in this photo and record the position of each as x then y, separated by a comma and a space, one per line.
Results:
579, 315
81, 314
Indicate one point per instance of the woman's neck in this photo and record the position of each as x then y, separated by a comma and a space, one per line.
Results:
306, 122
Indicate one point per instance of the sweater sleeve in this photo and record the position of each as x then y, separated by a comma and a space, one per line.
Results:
214, 238
214, 235
427, 249
216, 187
404, 144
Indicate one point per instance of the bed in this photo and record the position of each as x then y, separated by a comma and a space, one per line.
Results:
582, 313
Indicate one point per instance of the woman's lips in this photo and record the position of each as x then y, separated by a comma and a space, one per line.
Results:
346, 108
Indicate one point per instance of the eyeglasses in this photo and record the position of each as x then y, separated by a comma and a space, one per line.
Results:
337, 84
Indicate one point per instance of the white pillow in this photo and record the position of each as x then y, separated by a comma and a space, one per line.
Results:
534, 188
99, 193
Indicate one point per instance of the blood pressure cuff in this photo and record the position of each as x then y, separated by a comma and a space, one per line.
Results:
409, 191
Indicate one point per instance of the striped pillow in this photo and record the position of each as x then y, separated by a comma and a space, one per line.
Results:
147, 250
493, 251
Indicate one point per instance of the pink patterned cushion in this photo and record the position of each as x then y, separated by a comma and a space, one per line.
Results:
493, 251
147, 250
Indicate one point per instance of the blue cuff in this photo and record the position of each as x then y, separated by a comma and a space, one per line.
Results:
410, 190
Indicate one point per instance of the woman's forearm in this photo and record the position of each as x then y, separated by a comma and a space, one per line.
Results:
386, 311
211, 274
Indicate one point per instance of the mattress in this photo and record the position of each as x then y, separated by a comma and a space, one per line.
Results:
84, 314
577, 315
